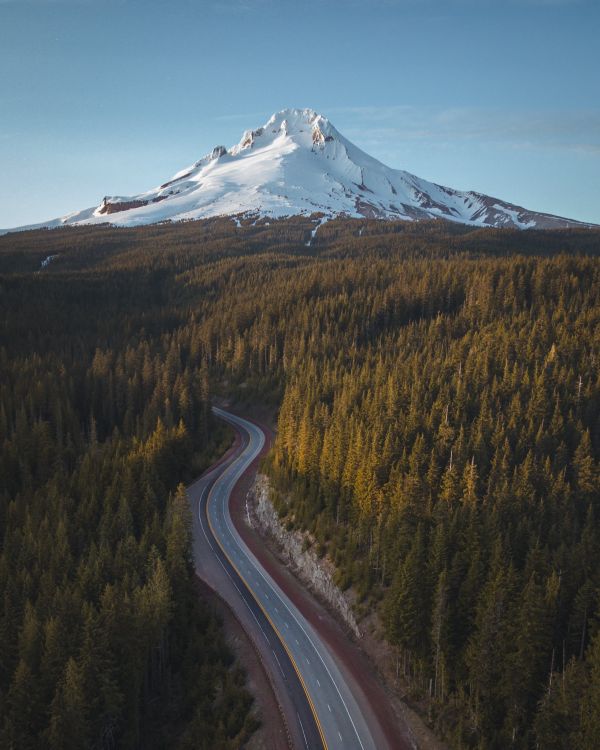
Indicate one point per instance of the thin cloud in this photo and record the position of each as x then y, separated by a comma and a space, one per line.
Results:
577, 131
254, 5
245, 117
240, 6
46, 2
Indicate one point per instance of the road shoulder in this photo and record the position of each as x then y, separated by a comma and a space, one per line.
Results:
272, 733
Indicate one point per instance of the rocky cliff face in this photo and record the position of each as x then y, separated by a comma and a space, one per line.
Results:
315, 572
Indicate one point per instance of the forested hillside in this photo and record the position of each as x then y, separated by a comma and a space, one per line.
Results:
104, 642
439, 436
442, 437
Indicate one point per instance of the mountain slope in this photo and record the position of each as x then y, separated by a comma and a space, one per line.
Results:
298, 163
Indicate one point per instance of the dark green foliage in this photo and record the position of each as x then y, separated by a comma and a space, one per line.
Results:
104, 642
439, 435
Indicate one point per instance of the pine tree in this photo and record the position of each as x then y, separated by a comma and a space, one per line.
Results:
469, 493
586, 471
23, 718
179, 536
69, 718
488, 647
529, 663
557, 722
405, 611
589, 735
439, 636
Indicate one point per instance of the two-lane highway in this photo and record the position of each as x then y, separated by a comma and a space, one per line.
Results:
326, 711
304, 730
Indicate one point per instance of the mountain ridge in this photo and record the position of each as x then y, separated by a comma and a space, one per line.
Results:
299, 163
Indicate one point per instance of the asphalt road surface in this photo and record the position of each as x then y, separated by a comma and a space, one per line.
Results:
320, 708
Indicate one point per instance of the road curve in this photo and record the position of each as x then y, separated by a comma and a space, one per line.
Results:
213, 564
326, 712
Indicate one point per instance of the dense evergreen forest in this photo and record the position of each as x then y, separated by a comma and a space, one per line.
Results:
439, 437
104, 642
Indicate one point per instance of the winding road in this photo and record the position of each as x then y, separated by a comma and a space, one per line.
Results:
320, 708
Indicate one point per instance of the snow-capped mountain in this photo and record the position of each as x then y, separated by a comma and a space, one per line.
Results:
298, 163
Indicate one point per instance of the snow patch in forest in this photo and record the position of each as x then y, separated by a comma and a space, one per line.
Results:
46, 262
313, 234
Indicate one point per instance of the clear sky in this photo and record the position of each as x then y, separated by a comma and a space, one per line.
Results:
113, 97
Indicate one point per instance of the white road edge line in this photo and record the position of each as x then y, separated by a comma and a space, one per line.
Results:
243, 598
278, 663
227, 518
302, 728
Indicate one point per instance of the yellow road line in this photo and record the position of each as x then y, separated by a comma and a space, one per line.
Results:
266, 614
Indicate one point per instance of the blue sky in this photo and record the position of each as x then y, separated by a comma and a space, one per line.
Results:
113, 97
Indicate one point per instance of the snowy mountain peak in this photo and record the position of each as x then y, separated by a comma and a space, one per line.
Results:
303, 127
295, 121
298, 163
